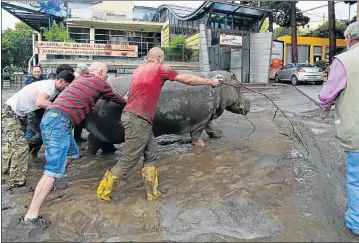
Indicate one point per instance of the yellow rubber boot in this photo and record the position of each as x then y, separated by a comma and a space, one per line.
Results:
108, 183
149, 175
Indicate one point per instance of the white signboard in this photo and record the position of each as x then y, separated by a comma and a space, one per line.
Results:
276, 62
230, 40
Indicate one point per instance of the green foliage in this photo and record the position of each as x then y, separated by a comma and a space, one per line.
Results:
283, 31
281, 13
176, 48
16, 46
323, 30
178, 42
56, 33
265, 26
321, 63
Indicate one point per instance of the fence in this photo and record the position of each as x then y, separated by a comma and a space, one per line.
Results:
16, 82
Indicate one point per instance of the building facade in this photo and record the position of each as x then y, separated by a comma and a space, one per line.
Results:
216, 35
310, 49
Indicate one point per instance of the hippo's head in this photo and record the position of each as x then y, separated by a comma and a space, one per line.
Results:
238, 103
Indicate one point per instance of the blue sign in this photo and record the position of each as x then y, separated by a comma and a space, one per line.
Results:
55, 8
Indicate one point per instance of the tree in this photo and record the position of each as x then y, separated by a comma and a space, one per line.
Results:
281, 14
331, 22
323, 30
16, 46
56, 33
294, 32
284, 31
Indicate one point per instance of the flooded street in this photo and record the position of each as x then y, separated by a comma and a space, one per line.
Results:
262, 188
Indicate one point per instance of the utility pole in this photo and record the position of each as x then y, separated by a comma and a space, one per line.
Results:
349, 13
357, 10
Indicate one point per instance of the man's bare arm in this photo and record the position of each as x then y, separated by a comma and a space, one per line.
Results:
195, 80
42, 100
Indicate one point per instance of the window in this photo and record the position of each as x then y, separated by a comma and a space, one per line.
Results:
102, 36
301, 65
80, 35
318, 50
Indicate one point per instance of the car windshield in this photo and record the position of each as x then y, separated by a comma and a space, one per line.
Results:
301, 65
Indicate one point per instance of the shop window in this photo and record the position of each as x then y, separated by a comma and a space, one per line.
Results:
318, 50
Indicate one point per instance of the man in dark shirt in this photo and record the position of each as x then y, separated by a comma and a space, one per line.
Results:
37, 75
68, 110
145, 88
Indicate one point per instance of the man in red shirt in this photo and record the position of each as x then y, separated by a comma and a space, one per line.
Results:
145, 88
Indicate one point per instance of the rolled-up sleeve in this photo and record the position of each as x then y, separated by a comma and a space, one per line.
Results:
337, 81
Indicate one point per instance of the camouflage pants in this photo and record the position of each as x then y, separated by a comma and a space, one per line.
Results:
16, 155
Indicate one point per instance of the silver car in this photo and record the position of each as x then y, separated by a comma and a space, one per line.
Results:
300, 72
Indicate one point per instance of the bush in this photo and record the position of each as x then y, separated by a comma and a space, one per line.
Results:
321, 63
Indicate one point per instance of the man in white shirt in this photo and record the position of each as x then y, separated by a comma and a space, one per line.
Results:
32, 97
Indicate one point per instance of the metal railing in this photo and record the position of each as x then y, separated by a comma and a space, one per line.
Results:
15, 81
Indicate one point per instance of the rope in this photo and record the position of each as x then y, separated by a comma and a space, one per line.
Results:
257, 92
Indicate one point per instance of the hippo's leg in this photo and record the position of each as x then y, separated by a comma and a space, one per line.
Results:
212, 131
196, 137
108, 148
93, 144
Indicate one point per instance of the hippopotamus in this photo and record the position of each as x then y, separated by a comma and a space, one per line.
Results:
181, 109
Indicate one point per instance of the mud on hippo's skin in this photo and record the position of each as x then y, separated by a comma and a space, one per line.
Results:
182, 109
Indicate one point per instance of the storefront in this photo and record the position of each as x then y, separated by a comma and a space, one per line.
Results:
310, 49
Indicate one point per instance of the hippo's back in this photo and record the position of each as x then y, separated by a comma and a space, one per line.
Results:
181, 109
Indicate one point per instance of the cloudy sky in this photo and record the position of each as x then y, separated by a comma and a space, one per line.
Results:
341, 10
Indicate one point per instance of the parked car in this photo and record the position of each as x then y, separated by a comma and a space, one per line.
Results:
300, 72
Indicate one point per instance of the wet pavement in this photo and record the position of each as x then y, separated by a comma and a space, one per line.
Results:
263, 188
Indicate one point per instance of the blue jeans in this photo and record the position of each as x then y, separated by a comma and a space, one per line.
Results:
56, 132
352, 214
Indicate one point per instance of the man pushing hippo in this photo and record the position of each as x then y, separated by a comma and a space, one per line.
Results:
137, 116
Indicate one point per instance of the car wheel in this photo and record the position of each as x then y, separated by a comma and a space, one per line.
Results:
295, 81
319, 82
276, 79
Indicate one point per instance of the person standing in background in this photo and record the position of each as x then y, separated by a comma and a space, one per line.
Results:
342, 88
36, 75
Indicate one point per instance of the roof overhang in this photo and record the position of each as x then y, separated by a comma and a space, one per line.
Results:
35, 19
217, 6
113, 24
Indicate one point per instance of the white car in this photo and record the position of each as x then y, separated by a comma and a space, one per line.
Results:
300, 72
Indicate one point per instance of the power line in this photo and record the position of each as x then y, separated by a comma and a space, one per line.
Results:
322, 6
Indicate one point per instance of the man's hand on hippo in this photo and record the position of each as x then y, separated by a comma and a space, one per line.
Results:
214, 82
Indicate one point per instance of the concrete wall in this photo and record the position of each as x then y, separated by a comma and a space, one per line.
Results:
203, 50
120, 7
260, 52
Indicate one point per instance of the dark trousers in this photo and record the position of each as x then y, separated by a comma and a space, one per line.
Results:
78, 131
33, 120
139, 141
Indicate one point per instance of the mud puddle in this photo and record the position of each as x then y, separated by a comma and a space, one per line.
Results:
232, 189
235, 189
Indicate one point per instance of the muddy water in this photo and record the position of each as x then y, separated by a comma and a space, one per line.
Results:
234, 189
